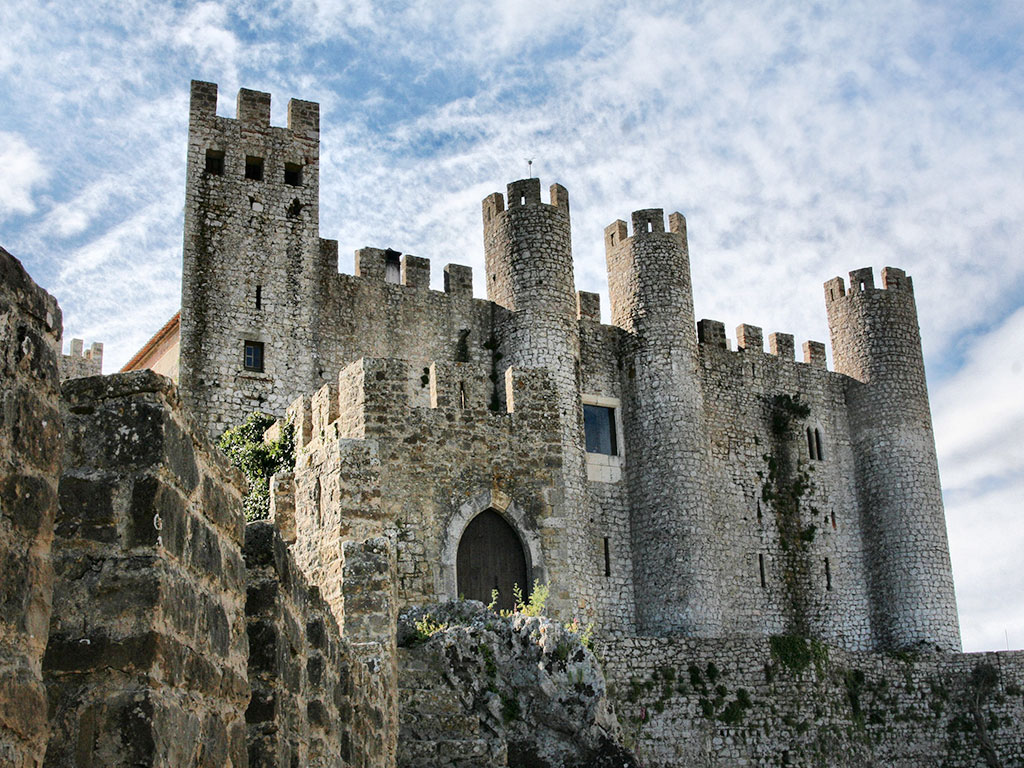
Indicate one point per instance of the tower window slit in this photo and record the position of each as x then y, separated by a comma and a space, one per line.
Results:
828, 575
760, 565
810, 443
259, 297
462, 394
759, 510
607, 557
833, 520
817, 445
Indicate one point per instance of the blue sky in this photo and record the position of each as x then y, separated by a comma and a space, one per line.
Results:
801, 140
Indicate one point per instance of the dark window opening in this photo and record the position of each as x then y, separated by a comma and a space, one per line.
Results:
215, 162
254, 168
607, 557
817, 445
462, 394
759, 510
810, 443
828, 575
293, 174
253, 356
599, 428
760, 564
392, 267
259, 297
833, 521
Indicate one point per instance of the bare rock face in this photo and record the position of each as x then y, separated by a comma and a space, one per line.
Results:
480, 689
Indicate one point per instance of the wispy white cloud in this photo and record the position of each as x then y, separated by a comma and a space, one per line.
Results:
23, 170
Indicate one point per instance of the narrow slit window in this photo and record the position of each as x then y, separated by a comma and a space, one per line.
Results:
828, 575
215, 162
599, 429
293, 174
253, 360
254, 168
817, 445
760, 565
759, 516
810, 443
462, 394
259, 297
833, 521
607, 557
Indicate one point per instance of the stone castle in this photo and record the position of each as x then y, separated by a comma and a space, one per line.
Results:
758, 542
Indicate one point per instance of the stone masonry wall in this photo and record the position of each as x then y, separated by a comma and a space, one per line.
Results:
146, 658
375, 463
30, 460
785, 701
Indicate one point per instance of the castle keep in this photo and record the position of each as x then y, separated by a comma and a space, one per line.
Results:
758, 542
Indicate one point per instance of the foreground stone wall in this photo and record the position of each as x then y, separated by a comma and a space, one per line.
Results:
30, 336
315, 699
787, 701
146, 659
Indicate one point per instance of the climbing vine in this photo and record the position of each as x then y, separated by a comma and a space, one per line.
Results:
258, 460
786, 484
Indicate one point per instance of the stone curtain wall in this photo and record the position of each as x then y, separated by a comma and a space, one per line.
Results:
786, 701
146, 661
316, 701
30, 337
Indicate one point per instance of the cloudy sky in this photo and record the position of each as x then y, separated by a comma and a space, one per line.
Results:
801, 140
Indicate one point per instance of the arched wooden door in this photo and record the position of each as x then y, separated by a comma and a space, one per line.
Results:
491, 557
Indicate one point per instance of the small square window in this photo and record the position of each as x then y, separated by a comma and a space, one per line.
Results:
599, 427
254, 168
253, 356
215, 162
293, 174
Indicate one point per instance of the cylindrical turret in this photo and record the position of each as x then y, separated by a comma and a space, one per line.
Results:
675, 561
877, 342
528, 256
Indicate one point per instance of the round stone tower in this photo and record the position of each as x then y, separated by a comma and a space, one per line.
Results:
675, 558
876, 341
528, 259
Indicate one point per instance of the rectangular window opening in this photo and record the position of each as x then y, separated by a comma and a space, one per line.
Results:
462, 394
215, 162
253, 356
833, 521
759, 515
828, 575
760, 564
599, 429
607, 557
254, 168
392, 267
293, 174
259, 297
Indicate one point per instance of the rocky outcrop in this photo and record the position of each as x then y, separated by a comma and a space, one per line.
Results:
480, 689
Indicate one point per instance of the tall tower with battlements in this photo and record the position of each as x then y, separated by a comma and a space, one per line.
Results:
876, 341
673, 525
252, 257
529, 271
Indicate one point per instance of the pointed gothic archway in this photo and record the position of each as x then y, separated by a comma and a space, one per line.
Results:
491, 557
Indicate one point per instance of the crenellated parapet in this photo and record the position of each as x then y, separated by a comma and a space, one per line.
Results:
82, 361
373, 395
750, 340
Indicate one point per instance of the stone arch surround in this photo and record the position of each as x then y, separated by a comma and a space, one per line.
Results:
494, 499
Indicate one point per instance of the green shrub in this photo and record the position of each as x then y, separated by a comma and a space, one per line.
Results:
258, 460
